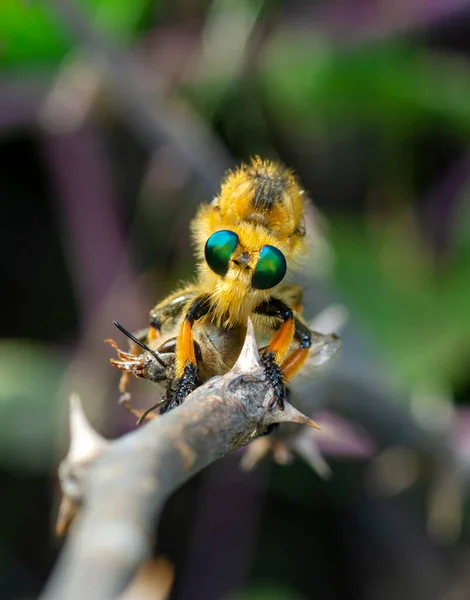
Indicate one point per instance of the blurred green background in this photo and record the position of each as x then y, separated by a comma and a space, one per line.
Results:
116, 120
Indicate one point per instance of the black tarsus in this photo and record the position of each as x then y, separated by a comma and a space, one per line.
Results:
276, 379
187, 384
303, 334
274, 307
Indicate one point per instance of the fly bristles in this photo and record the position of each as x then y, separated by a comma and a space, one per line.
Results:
270, 181
267, 191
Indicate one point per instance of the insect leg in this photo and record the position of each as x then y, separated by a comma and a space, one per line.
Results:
186, 364
141, 415
294, 362
274, 357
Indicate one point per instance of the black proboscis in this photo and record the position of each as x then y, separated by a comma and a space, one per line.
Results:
139, 343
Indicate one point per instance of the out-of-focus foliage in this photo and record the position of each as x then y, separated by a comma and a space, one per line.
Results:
416, 312
392, 85
31, 34
30, 406
268, 592
415, 309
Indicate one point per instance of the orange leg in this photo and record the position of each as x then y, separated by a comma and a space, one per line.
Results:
277, 364
185, 347
281, 342
273, 357
185, 360
293, 363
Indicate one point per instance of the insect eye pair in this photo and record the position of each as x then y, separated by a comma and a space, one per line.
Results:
270, 268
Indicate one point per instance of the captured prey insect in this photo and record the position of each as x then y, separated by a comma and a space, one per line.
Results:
246, 241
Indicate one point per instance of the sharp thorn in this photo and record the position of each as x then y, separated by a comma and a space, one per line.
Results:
85, 442
290, 415
248, 360
254, 453
68, 509
306, 447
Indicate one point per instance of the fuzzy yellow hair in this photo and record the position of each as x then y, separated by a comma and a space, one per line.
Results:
263, 203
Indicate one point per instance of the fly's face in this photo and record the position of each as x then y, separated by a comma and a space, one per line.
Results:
238, 262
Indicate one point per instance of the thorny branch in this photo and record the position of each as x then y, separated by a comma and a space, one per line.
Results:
121, 486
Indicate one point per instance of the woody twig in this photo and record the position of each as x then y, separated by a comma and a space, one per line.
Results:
119, 488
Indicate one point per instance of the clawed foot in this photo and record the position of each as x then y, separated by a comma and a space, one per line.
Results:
142, 365
146, 366
276, 379
181, 388
150, 365
130, 363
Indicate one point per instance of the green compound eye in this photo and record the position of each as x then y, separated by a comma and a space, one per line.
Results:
219, 249
270, 268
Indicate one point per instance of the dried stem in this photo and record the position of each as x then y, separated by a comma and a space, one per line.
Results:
123, 485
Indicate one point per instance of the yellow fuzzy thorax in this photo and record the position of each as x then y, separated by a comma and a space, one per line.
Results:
263, 203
